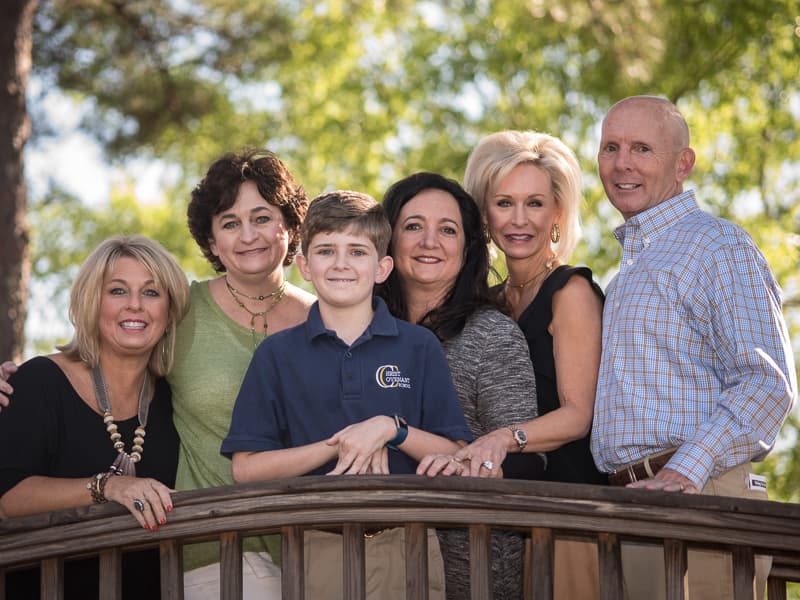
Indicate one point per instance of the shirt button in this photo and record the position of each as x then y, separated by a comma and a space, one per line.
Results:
348, 354
629, 262
646, 241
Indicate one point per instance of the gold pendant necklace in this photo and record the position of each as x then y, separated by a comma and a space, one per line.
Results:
548, 266
276, 295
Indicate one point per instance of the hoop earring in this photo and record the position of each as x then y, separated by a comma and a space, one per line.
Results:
555, 233
487, 237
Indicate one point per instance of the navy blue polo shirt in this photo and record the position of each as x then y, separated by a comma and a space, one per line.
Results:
304, 384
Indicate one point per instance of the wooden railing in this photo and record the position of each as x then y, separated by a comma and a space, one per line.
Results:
544, 511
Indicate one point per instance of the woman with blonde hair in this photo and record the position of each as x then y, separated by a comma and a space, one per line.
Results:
75, 433
528, 187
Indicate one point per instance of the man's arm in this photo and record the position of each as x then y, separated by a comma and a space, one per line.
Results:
754, 366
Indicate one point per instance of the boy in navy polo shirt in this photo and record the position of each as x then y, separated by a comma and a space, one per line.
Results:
331, 395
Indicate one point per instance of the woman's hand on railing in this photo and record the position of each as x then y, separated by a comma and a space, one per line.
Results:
439, 464
484, 456
7, 369
147, 499
362, 447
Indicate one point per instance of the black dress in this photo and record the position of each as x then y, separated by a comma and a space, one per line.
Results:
572, 462
48, 430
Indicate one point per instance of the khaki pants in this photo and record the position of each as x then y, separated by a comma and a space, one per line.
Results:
261, 579
385, 566
577, 571
710, 572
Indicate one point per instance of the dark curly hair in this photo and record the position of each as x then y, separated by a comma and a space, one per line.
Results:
471, 289
218, 190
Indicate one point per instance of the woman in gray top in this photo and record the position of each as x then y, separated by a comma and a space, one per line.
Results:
440, 281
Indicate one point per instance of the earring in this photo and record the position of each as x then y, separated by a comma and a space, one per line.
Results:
487, 237
555, 233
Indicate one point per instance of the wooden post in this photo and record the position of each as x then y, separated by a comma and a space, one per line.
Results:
610, 566
541, 564
292, 563
480, 568
354, 565
744, 573
416, 561
230, 566
171, 570
776, 588
111, 574
52, 579
675, 570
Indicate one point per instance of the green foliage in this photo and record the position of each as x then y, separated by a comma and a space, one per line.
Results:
357, 94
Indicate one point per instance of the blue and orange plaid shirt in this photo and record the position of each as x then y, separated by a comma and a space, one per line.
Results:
696, 354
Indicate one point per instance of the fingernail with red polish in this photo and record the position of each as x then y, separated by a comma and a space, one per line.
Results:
163, 521
169, 508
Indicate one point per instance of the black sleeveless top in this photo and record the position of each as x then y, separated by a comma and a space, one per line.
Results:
572, 462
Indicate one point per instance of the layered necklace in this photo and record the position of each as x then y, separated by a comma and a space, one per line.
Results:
276, 295
125, 463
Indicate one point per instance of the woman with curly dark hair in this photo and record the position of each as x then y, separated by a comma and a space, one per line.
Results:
245, 215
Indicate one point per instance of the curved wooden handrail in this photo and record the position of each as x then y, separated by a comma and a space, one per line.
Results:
602, 514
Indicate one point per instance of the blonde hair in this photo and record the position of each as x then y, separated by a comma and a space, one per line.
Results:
85, 297
497, 154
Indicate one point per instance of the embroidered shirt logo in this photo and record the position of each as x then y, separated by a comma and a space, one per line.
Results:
389, 376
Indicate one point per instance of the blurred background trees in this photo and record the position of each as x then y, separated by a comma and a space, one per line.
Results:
356, 94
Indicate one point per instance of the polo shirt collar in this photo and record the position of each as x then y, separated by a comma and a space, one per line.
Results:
383, 323
658, 218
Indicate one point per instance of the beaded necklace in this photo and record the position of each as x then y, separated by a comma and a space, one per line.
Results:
124, 464
276, 295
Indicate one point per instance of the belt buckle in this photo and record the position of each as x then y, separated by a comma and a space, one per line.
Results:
371, 533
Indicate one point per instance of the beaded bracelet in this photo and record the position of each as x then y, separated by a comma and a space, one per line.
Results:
97, 487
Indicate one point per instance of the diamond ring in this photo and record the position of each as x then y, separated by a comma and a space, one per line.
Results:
488, 464
138, 504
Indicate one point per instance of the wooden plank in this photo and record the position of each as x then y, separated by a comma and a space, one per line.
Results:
610, 558
171, 552
480, 568
111, 574
776, 588
744, 573
292, 559
230, 566
52, 579
541, 564
416, 561
675, 570
355, 573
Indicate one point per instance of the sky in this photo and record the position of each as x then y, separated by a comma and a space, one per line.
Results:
75, 162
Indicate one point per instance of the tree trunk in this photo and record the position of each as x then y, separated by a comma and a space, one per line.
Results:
16, 25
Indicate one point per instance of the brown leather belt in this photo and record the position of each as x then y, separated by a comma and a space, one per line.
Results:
644, 469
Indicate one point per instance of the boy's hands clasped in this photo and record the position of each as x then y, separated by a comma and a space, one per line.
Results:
362, 447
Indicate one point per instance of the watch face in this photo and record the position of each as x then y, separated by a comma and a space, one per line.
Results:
521, 437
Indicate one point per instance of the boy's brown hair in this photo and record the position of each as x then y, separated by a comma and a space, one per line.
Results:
346, 210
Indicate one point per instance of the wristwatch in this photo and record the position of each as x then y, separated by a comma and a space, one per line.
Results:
402, 432
519, 436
